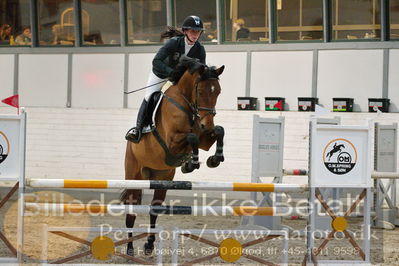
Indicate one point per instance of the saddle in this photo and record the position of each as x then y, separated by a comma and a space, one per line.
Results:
153, 103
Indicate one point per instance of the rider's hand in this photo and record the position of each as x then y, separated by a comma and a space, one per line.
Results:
174, 76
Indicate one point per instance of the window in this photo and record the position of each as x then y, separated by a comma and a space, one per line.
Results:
300, 19
100, 22
146, 21
246, 20
56, 22
356, 19
205, 9
394, 17
15, 22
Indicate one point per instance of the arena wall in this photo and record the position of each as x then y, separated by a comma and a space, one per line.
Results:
98, 80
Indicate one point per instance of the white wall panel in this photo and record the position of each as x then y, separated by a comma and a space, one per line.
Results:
97, 80
140, 66
43, 80
6, 76
354, 74
393, 82
281, 74
232, 80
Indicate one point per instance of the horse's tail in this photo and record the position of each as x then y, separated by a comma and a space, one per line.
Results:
170, 33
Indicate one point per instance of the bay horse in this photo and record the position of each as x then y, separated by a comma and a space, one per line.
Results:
183, 124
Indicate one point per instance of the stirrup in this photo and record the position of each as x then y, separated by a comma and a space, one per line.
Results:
133, 135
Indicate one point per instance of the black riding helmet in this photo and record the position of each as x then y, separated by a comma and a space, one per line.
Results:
192, 23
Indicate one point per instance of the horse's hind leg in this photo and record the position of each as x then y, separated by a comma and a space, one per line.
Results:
214, 160
159, 197
133, 197
157, 200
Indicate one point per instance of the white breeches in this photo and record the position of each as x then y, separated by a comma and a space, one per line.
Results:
152, 79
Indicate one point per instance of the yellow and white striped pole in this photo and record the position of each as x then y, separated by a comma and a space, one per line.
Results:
170, 185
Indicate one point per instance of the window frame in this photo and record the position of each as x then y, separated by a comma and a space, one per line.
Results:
220, 25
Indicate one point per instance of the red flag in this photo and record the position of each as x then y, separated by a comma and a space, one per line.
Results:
279, 105
13, 101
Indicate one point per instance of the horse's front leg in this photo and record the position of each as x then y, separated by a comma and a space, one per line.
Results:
214, 160
193, 164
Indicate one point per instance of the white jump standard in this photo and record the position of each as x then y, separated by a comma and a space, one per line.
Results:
12, 168
340, 157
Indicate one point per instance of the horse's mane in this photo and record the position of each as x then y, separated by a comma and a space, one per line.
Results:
192, 65
185, 63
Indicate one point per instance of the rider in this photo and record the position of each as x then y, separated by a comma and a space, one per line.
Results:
185, 43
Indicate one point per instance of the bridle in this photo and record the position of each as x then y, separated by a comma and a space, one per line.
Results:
193, 113
195, 108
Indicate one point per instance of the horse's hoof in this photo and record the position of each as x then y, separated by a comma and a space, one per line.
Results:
184, 169
212, 162
130, 250
187, 168
148, 248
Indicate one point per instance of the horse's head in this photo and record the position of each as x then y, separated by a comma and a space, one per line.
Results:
199, 84
205, 93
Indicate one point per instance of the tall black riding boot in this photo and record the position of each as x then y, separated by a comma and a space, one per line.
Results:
135, 133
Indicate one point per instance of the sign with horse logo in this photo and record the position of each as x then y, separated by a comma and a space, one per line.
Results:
340, 156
